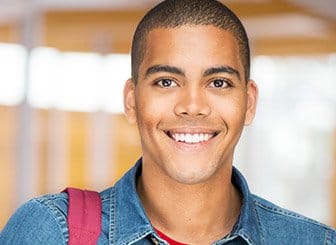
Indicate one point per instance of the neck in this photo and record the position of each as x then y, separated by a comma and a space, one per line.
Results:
193, 214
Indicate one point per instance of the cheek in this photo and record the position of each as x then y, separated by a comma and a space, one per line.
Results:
151, 109
231, 109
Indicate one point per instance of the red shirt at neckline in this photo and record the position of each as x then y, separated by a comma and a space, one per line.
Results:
168, 239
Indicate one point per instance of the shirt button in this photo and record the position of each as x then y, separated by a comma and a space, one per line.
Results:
154, 240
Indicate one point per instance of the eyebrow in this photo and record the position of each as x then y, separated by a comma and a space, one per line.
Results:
175, 70
164, 68
222, 69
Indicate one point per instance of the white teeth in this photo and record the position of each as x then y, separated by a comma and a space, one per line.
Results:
207, 136
191, 138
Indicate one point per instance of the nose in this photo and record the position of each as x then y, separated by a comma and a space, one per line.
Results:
192, 102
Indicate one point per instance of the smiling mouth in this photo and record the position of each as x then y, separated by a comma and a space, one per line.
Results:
190, 138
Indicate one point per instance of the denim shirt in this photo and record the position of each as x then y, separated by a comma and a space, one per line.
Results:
43, 220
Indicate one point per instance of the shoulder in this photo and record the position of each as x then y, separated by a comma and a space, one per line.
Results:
279, 224
45, 218
41, 220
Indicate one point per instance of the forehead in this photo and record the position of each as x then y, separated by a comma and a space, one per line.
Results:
194, 46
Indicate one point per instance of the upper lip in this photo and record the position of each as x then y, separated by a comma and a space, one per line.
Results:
191, 130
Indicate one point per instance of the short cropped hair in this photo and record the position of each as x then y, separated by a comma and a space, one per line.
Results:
176, 13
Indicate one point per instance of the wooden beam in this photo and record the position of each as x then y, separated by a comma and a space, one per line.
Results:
126, 144
77, 146
293, 46
100, 31
8, 153
9, 33
257, 9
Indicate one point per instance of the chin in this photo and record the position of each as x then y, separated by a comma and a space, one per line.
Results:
194, 173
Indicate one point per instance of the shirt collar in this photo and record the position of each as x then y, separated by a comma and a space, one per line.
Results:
247, 225
129, 222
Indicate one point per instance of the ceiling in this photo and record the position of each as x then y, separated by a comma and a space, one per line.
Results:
267, 21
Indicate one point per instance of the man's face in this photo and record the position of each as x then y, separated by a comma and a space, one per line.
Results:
190, 102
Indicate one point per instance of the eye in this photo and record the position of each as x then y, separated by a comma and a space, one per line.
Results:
166, 83
219, 83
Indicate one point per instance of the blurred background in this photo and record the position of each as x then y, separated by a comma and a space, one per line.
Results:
62, 69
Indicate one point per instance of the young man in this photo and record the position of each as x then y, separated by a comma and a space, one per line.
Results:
190, 96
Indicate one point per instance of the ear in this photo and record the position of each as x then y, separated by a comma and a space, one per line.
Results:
129, 101
252, 97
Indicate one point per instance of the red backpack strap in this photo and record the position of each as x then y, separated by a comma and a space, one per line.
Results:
84, 216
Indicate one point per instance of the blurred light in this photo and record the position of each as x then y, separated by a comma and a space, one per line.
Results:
12, 75
78, 81
44, 65
117, 71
